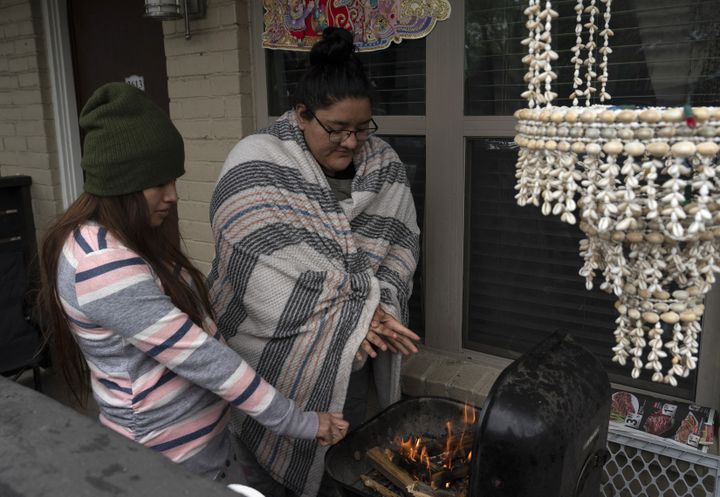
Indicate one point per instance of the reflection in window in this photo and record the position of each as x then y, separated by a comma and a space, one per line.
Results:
665, 52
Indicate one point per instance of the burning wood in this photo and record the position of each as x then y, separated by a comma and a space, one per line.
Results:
425, 466
377, 486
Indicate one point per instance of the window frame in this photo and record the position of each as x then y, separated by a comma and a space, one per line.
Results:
446, 130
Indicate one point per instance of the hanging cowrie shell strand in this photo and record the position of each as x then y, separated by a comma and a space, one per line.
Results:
643, 185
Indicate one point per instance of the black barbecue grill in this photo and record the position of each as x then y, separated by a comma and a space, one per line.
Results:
541, 432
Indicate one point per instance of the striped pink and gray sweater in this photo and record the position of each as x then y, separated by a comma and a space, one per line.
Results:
157, 377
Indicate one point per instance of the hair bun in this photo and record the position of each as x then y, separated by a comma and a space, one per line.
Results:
336, 47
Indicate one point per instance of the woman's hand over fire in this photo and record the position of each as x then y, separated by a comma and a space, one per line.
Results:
387, 333
331, 428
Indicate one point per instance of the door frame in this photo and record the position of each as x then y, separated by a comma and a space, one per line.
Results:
62, 86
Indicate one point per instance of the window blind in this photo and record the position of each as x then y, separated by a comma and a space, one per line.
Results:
396, 73
665, 52
522, 273
411, 150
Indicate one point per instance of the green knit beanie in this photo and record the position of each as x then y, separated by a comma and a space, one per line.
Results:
130, 143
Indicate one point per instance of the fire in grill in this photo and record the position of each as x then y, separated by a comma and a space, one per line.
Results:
541, 432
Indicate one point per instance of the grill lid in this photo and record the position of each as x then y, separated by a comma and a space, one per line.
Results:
543, 427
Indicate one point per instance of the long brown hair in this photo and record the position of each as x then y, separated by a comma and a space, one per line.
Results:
127, 218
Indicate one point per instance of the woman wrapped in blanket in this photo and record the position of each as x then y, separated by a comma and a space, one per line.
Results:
131, 316
316, 245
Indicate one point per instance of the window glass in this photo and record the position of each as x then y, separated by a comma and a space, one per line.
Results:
397, 74
522, 273
665, 52
411, 150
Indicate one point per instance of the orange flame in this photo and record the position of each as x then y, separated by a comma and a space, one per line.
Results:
469, 414
448, 447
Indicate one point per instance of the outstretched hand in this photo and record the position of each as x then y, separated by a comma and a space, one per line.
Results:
387, 333
331, 428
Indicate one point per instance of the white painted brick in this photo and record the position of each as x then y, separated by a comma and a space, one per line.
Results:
234, 12
193, 211
225, 84
40, 144
215, 40
8, 82
202, 171
7, 129
232, 128
195, 230
45, 192
196, 191
12, 114
203, 266
15, 144
29, 79
31, 128
17, 64
45, 208
18, 29
200, 251
27, 159
15, 13
198, 64
25, 46
208, 150
243, 59
25, 97
34, 111
7, 48
211, 21
190, 87
194, 108
194, 128
238, 106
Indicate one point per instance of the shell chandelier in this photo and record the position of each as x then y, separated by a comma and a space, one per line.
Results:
642, 183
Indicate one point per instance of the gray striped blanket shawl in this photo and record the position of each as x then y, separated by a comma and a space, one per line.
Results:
298, 275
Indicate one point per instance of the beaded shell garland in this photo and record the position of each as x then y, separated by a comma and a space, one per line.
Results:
640, 183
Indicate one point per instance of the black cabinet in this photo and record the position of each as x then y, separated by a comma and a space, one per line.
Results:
19, 337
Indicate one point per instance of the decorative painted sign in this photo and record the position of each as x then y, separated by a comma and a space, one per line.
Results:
298, 24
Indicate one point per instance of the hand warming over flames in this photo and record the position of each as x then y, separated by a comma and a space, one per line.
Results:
331, 428
387, 333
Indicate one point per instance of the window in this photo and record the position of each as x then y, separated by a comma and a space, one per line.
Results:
411, 150
522, 266
665, 52
497, 278
398, 78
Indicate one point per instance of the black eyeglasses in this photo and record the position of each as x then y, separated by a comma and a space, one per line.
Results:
337, 136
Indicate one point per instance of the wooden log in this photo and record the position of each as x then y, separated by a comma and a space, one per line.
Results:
420, 489
378, 487
467, 442
397, 476
444, 476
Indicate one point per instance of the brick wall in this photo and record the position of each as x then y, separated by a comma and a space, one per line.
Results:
210, 90
27, 135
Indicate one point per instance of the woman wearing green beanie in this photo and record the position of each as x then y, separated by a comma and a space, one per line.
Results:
130, 316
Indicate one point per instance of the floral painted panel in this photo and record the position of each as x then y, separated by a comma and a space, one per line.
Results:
375, 24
